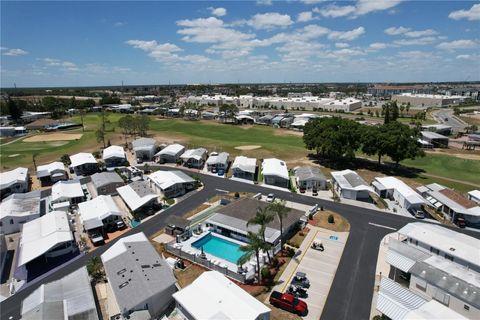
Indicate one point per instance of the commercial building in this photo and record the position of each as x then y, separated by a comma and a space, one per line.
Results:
432, 268
428, 100
20, 208
139, 196
171, 153
438, 128
141, 280
451, 204
49, 236
69, 298
144, 148
345, 105
231, 221
308, 177
51, 173
12, 131
395, 189
275, 173
349, 185
172, 183
194, 158
83, 163
14, 181
218, 161
244, 168
106, 183
380, 90
214, 296
435, 139
114, 156
99, 214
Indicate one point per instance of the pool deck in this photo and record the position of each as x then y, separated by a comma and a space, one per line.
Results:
187, 246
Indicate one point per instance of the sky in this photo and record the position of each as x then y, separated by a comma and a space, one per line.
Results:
68, 43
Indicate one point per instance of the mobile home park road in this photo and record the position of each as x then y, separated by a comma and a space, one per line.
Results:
352, 289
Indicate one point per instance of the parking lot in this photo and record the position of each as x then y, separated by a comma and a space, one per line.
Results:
319, 266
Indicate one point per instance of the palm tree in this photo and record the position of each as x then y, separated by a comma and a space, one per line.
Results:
281, 211
263, 217
253, 247
34, 160
95, 269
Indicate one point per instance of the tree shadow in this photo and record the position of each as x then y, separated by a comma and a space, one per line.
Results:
387, 168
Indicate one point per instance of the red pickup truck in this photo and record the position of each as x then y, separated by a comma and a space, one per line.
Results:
289, 303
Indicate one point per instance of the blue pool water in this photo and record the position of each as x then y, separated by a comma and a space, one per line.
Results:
219, 247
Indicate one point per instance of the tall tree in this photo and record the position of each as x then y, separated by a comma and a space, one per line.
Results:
95, 269
281, 211
253, 247
13, 109
401, 142
262, 218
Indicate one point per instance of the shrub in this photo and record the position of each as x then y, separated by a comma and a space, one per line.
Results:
331, 218
237, 195
266, 274
310, 216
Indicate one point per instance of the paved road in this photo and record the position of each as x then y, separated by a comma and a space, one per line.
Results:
352, 289
446, 117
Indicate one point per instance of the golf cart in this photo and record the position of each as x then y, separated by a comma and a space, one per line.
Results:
318, 245
300, 279
297, 291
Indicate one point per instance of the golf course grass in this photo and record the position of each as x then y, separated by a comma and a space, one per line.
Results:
216, 136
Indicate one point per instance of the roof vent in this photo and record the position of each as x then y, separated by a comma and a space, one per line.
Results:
452, 249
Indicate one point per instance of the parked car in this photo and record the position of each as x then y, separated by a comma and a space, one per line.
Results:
302, 189
417, 213
214, 170
460, 222
96, 238
139, 160
120, 225
314, 192
300, 279
270, 197
220, 172
288, 302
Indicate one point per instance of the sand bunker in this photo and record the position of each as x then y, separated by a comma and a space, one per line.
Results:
248, 147
57, 136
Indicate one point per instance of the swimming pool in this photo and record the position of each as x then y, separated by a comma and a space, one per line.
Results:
219, 247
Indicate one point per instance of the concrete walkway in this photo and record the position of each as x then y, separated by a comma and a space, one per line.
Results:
320, 267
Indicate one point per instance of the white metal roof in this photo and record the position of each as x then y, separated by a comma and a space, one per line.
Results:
475, 194
345, 183
396, 301
133, 199
196, 154
402, 188
42, 234
119, 247
48, 169
399, 261
166, 179
455, 243
245, 164
21, 204
212, 294
222, 158
70, 297
11, 177
94, 211
433, 310
275, 167
63, 190
172, 149
113, 152
82, 158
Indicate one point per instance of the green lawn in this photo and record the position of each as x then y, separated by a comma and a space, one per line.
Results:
448, 167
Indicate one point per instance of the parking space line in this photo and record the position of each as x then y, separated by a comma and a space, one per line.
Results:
381, 226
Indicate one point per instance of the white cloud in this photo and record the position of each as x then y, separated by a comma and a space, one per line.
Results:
341, 45
471, 14
367, 6
162, 52
305, 16
57, 63
270, 20
457, 44
312, 1
415, 42
210, 30
12, 52
472, 57
264, 2
333, 11
347, 35
377, 46
219, 12
119, 24
421, 33
393, 31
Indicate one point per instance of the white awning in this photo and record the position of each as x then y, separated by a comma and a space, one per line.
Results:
395, 301
399, 261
